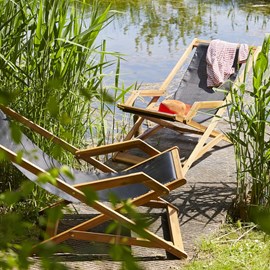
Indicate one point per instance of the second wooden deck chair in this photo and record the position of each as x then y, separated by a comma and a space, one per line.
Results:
206, 105
144, 184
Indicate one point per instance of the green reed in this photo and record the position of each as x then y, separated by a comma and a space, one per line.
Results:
51, 68
52, 72
250, 127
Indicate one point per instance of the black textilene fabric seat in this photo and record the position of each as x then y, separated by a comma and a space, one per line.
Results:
193, 85
160, 168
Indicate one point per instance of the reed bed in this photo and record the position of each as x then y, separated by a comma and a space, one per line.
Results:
250, 130
53, 72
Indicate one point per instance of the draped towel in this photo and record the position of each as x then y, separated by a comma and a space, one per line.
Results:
220, 57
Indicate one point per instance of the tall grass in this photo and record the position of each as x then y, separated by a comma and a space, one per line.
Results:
51, 68
250, 127
52, 71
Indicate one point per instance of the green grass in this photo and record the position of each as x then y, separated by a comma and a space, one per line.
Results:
233, 247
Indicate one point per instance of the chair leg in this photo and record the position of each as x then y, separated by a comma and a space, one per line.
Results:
149, 132
54, 215
174, 226
173, 221
52, 227
138, 130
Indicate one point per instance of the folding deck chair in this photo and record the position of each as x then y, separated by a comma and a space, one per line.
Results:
145, 184
207, 105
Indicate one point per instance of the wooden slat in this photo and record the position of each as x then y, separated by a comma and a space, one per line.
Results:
149, 132
198, 129
148, 159
201, 41
52, 227
175, 227
133, 178
112, 239
160, 203
198, 105
127, 158
120, 146
156, 204
149, 93
177, 164
98, 165
210, 145
134, 129
105, 149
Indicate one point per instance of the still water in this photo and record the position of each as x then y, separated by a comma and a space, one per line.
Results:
152, 34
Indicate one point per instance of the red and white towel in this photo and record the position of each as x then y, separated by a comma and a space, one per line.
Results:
220, 57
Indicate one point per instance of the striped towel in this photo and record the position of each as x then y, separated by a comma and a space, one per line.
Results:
220, 57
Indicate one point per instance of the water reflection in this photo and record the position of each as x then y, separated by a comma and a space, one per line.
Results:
153, 34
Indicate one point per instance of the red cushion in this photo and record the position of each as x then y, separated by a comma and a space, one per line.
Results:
174, 107
164, 108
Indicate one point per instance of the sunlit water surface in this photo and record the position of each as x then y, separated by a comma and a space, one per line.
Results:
153, 35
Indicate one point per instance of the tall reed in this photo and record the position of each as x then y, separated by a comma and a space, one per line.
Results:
250, 127
51, 67
52, 72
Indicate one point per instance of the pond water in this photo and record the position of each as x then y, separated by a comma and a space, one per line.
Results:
153, 34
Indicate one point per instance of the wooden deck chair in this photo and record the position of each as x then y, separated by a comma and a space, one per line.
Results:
206, 105
144, 184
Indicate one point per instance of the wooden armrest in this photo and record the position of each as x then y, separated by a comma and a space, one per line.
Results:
133, 178
147, 93
147, 112
150, 93
202, 105
208, 104
116, 147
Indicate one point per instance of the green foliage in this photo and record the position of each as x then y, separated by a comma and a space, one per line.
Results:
52, 71
250, 123
261, 216
18, 228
